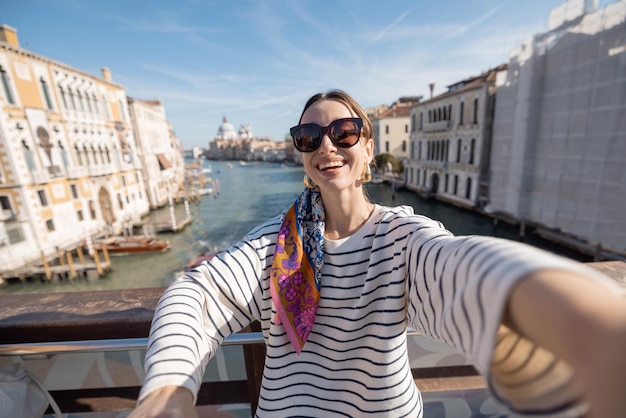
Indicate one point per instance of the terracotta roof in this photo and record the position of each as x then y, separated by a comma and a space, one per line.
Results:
470, 83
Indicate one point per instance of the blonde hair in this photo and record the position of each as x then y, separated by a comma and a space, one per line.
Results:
346, 99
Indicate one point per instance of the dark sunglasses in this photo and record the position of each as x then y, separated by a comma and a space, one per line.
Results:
344, 133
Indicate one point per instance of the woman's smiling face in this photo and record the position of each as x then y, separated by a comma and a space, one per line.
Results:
330, 167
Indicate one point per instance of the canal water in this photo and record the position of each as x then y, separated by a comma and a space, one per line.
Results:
249, 194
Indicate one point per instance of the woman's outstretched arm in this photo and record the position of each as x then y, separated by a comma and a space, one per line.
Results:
583, 323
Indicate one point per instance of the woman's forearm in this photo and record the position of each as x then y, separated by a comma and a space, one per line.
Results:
584, 323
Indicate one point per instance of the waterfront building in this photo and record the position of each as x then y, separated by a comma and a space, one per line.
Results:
69, 166
559, 145
391, 128
450, 137
159, 149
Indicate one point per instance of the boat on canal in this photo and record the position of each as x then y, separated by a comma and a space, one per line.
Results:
133, 245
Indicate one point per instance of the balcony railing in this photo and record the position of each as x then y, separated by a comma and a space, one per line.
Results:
119, 320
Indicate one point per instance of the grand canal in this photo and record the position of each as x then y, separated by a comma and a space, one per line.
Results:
249, 194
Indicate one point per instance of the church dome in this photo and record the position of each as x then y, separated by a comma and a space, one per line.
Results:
226, 130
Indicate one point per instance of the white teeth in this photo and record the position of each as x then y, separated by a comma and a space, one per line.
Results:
330, 165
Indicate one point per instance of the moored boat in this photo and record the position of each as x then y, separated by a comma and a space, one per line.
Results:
134, 245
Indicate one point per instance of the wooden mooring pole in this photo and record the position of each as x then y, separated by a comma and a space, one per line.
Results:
46, 266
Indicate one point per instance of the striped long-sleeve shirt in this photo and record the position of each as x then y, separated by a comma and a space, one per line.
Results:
399, 270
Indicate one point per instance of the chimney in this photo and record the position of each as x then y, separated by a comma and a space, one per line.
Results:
9, 35
432, 88
106, 73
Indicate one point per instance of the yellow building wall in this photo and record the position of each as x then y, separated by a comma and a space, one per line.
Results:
26, 84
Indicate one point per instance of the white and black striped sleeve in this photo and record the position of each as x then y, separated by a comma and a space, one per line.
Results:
458, 289
203, 307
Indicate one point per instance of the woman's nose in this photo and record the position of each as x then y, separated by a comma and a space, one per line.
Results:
327, 145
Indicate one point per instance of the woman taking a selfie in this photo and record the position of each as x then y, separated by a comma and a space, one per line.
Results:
336, 280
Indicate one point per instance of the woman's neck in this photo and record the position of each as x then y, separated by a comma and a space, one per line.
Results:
345, 215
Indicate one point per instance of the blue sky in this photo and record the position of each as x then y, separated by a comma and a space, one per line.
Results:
256, 62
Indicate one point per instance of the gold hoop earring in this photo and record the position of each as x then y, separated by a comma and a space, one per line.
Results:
366, 177
309, 183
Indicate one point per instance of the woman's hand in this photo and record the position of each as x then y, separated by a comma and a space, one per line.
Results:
583, 323
166, 402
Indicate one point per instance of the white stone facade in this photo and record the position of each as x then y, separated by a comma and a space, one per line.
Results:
559, 140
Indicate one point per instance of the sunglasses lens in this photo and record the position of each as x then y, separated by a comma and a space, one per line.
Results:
345, 133
306, 138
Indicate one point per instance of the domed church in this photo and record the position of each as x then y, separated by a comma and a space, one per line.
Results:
226, 131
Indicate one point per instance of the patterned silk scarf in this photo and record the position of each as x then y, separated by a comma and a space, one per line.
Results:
297, 266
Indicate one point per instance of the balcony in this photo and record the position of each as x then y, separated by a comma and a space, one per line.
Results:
443, 125
77, 172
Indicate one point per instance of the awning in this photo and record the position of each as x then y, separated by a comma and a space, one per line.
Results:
164, 163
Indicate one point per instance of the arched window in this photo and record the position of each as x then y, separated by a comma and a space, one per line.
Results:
72, 100
78, 156
46, 93
95, 104
80, 100
63, 98
6, 85
28, 156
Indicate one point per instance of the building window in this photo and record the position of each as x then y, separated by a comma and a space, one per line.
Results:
95, 104
78, 157
386, 129
28, 156
413, 122
63, 155
446, 183
63, 98
449, 112
6, 85
386, 146
80, 100
475, 117
421, 120
42, 197
468, 188
461, 112
456, 185
50, 225
419, 150
46, 93
5, 205
458, 151
72, 100
74, 190
120, 201
472, 150
404, 145
406, 129
123, 180
79, 215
